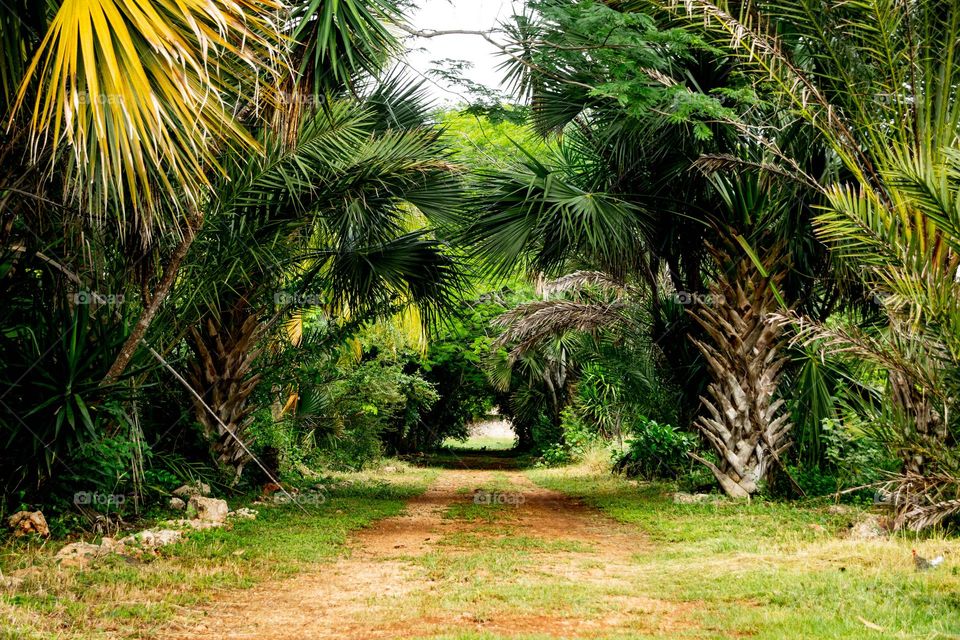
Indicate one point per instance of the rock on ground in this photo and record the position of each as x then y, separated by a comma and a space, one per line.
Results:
27, 522
78, 554
243, 513
871, 527
209, 509
194, 489
693, 498
149, 539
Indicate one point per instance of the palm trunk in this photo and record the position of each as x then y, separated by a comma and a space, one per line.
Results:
924, 428
221, 373
743, 421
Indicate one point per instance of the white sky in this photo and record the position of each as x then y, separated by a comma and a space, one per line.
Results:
476, 15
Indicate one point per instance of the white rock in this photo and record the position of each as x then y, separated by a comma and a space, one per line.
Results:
243, 513
209, 509
870, 528
193, 489
198, 525
693, 498
177, 504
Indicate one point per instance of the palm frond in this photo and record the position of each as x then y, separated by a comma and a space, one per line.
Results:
145, 95
529, 325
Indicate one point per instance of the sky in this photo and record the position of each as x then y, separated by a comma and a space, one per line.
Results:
476, 15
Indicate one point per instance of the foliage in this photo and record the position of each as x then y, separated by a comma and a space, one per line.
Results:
655, 451
577, 438
852, 459
483, 144
133, 95
454, 365
848, 71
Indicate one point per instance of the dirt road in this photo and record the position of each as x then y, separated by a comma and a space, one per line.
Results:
481, 552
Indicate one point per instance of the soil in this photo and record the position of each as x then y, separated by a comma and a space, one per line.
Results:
382, 590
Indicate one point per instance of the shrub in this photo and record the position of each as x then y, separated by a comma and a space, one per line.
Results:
851, 459
576, 439
655, 451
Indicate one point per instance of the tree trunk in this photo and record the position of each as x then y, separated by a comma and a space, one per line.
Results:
742, 420
924, 427
163, 289
221, 374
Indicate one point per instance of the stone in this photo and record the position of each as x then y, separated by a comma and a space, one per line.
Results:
78, 554
209, 509
870, 528
149, 539
26, 522
838, 510
198, 525
15, 579
243, 513
193, 489
177, 504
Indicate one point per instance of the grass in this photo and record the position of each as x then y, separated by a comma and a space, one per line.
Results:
117, 597
481, 443
761, 570
769, 570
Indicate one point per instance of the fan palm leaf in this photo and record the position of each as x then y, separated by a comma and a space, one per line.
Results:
143, 96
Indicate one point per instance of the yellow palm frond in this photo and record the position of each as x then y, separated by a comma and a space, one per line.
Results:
144, 94
294, 329
410, 323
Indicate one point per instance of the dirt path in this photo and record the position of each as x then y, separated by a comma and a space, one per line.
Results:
542, 563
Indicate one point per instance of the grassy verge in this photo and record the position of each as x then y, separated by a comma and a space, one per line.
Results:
480, 443
771, 570
118, 597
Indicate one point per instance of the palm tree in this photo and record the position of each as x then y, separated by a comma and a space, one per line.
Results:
642, 182
137, 115
329, 222
876, 81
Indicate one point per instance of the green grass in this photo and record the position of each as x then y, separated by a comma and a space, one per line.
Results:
479, 443
769, 570
761, 570
117, 597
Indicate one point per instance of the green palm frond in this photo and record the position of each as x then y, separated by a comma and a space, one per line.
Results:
339, 40
339, 213
534, 214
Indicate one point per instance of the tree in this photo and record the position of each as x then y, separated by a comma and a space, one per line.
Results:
876, 82
322, 223
651, 168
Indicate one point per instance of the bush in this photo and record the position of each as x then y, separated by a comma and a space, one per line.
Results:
851, 459
575, 440
655, 451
